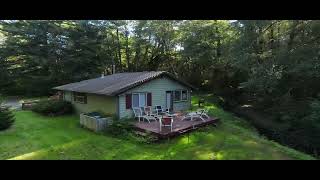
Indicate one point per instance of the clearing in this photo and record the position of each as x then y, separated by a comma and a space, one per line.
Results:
38, 137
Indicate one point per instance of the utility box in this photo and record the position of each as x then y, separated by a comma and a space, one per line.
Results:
94, 123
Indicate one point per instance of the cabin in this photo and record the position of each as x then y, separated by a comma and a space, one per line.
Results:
118, 93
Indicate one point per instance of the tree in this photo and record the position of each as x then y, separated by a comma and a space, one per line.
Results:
6, 118
44, 54
272, 65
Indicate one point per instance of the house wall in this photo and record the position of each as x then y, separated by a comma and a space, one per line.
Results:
102, 103
158, 88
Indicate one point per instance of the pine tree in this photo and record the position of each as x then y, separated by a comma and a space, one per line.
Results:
6, 118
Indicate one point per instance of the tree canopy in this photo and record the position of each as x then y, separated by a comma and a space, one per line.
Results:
272, 64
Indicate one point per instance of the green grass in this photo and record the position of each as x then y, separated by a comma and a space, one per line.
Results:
37, 137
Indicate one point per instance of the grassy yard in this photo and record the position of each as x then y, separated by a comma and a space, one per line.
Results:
37, 137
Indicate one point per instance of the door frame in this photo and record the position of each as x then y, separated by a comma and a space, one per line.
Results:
171, 99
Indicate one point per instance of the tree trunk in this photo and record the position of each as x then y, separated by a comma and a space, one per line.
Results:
127, 51
119, 50
259, 45
218, 51
292, 34
115, 54
278, 39
145, 56
271, 38
137, 57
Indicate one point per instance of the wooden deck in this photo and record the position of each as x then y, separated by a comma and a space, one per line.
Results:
179, 126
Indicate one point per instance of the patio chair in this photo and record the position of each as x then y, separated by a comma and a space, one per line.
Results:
148, 111
161, 111
203, 113
138, 114
166, 121
200, 113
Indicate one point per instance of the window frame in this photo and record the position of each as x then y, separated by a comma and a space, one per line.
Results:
180, 99
174, 96
82, 96
139, 94
186, 95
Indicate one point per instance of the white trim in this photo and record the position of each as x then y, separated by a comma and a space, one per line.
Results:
181, 100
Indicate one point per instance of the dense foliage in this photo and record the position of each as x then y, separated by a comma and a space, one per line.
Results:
52, 107
119, 128
124, 129
6, 118
280, 63
271, 65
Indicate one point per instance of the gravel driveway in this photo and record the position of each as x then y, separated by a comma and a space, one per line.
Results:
13, 102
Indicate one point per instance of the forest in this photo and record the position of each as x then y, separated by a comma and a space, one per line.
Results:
271, 66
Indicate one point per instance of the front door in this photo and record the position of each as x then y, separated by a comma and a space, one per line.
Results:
169, 100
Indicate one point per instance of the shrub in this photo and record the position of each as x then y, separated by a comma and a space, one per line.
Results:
148, 138
124, 129
6, 118
53, 107
120, 128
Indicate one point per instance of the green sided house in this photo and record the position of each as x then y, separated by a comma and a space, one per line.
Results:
118, 93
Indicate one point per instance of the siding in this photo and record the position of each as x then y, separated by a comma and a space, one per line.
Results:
102, 103
158, 88
67, 96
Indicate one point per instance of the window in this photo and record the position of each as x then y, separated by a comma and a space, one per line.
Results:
80, 98
177, 95
142, 100
139, 100
180, 95
184, 95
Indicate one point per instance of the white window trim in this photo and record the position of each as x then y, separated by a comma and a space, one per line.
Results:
181, 100
139, 94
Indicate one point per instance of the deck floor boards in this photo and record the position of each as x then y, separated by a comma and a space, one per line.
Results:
179, 126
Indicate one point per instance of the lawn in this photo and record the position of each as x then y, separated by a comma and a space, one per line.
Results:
37, 137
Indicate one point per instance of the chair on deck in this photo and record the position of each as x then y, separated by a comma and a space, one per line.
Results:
200, 113
166, 121
161, 111
148, 111
138, 114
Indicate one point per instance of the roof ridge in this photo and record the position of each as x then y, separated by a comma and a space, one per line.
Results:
138, 81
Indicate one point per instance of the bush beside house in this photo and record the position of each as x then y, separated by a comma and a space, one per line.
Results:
124, 129
120, 128
6, 118
53, 107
